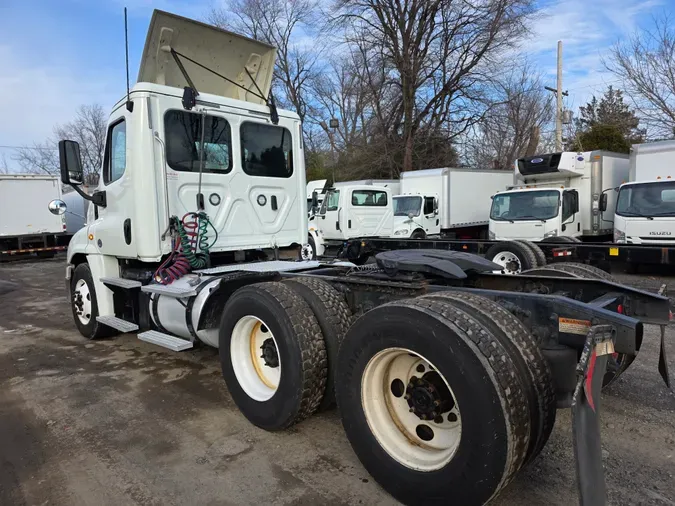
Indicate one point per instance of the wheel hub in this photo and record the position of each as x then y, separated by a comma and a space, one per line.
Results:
428, 397
269, 353
78, 303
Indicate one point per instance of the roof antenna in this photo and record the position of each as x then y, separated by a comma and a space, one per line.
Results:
130, 104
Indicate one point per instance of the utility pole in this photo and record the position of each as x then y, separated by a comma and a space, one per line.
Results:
559, 103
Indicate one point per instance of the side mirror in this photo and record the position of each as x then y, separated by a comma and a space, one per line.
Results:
435, 205
71, 163
57, 207
575, 202
411, 216
603, 202
315, 200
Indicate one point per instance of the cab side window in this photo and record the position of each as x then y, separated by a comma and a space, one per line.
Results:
115, 158
428, 205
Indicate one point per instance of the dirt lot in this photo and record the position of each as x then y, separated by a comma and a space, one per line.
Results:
123, 422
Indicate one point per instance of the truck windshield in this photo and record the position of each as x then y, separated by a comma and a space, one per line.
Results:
404, 206
530, 205
647, 199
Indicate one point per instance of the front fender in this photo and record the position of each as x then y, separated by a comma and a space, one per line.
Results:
80, 244
318, 241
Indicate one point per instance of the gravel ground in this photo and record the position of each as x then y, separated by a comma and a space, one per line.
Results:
123, 422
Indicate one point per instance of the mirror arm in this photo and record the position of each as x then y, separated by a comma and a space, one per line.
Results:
98, 198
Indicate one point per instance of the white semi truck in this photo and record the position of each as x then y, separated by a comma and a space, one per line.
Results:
444, 391
645, 207
446, 202
26, 226
560, 197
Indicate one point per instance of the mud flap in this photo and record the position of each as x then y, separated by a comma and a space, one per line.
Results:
663, 359
586, 415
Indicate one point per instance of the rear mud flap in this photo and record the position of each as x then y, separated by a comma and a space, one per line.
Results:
586, 415
663, 359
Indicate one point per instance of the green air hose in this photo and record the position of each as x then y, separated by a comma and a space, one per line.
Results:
193, 231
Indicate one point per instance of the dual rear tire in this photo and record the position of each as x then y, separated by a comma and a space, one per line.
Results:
514, 257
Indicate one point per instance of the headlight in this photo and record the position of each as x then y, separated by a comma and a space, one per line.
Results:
619, 235
491, 235
552, 233
403, 231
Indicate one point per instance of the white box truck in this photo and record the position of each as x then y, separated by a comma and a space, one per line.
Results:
26, 225
560, 197
446, 202
645, 209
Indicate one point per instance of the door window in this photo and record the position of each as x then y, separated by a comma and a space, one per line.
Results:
115, 159
184, 136
266, 150
332, 201
369, 198
568, 206
428, 205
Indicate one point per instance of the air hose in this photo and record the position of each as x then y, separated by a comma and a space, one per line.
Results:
191, 246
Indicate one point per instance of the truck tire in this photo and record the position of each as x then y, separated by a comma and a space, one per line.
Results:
334, 317
308, 251
84, 304
418, 234
534, 369
513, 256
286, 383
561, 239
470, 397
537, 251
580, 270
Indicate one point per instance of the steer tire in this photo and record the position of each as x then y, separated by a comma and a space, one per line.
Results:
334, 317
484, 381
526, 354
537, 251
418, 234
93, 329
524, 254
300, 348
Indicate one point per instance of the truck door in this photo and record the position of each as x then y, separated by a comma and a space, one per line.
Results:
431, 220
248, 182
330, 216
112, 230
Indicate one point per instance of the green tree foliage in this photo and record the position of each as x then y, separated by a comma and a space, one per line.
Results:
608, 123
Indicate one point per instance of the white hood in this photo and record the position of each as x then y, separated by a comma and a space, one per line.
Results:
223, 52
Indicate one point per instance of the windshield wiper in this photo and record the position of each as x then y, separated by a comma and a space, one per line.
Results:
657, 215
529, 216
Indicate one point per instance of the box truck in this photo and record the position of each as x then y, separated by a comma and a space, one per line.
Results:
446, 202
26, 225
645, 208
560, 197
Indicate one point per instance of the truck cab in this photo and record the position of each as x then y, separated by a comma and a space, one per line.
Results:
348, 211
569, 196
645, 208
416, 216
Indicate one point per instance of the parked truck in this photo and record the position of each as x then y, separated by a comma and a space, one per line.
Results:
26, 226
446, 202
349, 210
558, 197
446, 375
645, 208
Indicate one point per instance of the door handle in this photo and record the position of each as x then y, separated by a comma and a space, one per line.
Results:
273, 200
127, 230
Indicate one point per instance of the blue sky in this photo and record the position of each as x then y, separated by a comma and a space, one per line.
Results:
58, 54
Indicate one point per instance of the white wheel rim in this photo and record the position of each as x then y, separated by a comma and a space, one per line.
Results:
307, 252
257, 376
389, 415
509, 261
82, 301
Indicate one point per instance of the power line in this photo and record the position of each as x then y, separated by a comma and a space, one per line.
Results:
28, 147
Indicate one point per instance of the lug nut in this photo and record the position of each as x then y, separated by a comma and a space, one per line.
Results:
437, 403
406, 396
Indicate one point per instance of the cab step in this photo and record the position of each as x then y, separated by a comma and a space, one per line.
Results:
170, 291
122, 282
165, 340
117, 323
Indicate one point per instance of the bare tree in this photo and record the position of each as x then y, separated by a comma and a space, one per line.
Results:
513, 125
646, 64
88, 129
435, 53
4, 166
278, 22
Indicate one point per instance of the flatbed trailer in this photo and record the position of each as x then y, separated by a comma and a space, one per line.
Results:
603, 255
